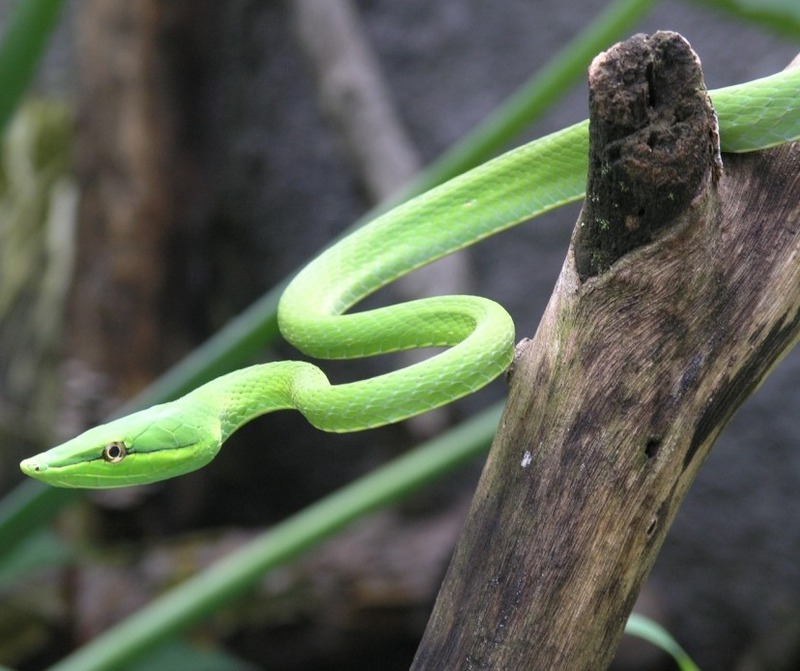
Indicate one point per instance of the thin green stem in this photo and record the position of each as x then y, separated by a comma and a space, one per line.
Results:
652, 632
26, 36
24, 40
220, 584
535, 96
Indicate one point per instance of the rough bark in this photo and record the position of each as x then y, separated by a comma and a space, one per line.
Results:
675, 316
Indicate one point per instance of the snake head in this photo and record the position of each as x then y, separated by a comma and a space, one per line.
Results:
151, 445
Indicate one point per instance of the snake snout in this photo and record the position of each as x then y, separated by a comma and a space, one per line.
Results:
32, 466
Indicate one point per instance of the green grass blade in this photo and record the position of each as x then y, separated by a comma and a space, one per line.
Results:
27, 508
539, 93
24, 40
779, 16
652, 632
220, 584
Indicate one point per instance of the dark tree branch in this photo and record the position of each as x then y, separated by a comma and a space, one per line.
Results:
691, 293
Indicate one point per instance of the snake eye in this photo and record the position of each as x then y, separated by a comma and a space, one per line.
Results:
114, 452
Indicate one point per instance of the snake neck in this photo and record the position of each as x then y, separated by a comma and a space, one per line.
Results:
242, 395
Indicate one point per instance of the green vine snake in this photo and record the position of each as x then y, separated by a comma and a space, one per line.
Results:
180, 436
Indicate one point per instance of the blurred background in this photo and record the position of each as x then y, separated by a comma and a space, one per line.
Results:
174, 161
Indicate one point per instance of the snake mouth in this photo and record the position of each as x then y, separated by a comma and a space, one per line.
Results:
32, 467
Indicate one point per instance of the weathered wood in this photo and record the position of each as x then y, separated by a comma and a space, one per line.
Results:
629, 379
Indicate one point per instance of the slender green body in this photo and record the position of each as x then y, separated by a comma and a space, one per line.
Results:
183, 435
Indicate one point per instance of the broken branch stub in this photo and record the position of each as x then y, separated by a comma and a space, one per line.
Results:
653, 144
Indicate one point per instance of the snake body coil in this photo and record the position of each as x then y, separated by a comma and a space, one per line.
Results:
183, 435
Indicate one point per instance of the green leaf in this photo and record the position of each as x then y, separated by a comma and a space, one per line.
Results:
36, 552
24, 40
652, 632
179, 655
780, 16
